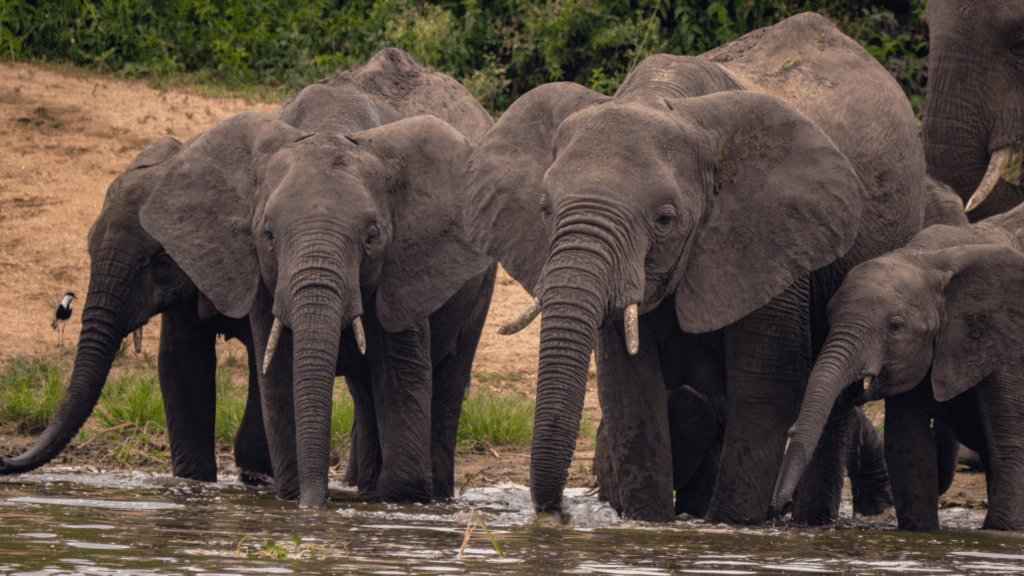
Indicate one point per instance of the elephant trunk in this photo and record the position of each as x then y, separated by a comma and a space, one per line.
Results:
102, 331
318, 308
572, 312
833, 371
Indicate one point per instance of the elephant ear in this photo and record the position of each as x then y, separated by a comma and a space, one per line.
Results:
503, 178
417, 164
984, 315
784, 202
202, 208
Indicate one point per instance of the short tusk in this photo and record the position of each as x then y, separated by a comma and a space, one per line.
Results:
137, 340
275, 334
631, 320
523, 320
357, 329
1006, 164
867, 381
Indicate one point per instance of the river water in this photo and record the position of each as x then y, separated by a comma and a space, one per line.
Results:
62, 522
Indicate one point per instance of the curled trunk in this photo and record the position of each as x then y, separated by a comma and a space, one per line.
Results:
102, 331
832, 372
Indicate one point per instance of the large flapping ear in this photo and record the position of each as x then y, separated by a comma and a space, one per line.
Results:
785, 202
201, 211
503, 178
429, 258
984, 315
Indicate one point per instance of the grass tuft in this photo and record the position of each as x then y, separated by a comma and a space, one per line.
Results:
494, 420
30, 392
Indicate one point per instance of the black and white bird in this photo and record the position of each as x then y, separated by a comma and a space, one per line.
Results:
61, 316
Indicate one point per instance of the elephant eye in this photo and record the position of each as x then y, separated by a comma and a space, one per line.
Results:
372, 238
545, 205
896, 324
665, 218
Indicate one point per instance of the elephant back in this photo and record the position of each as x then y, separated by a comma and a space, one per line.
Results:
835, 82
397, 79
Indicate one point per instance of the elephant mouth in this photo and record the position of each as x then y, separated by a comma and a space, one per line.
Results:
630, 319
275, 335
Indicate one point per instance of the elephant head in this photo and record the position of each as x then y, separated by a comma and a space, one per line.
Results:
974, 106
603, 207
326, 225
131, 279
954, 312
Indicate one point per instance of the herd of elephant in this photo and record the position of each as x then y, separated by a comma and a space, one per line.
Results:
745, 239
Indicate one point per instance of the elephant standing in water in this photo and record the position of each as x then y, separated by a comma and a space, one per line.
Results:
128, 286
721, 199
131, 279
936, 328
334, 242
973, 111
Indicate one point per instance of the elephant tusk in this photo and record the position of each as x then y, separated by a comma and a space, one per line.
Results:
137, 340
357, 329
275, 334
867, 382
631, 320
1005, 164
523, 320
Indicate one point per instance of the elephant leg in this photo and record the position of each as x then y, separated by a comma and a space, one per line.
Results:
277, 397
947, 452
453, 373
1001, 414
817, 498
188, 372
911, 460
252, 452
865, 465
693, 426
364, 454
634, 425
607, 489
767, 356
401, 375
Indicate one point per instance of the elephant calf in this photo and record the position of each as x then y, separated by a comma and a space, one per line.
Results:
936, 328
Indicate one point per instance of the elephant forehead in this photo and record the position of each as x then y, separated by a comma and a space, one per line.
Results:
884, 282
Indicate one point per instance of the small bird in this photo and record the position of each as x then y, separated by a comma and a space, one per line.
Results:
62, 315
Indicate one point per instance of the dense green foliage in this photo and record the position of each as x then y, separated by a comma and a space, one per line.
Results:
497, 49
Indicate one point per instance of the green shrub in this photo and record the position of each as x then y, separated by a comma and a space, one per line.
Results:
498, 49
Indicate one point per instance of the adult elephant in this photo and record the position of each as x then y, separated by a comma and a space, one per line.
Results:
935, 329
312, 230
722, 198
132, 278
973, 110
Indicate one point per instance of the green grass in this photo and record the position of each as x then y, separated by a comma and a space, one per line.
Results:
30, 392
494, 420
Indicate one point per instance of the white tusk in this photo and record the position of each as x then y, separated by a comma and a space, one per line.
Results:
275, 334
523, 320
632, 329
867, 381
137, 340
1005, 163
357, 329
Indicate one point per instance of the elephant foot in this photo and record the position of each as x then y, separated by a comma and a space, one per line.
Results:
254, 478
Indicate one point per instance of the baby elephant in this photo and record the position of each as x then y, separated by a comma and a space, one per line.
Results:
937, 329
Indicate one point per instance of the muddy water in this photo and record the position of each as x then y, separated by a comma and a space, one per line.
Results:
59, 522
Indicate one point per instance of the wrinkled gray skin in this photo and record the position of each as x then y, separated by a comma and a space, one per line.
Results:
974, 101
132, 279
697, 429
726, 195
937, 326
318, 225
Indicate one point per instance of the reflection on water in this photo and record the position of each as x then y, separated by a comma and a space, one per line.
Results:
63, 523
